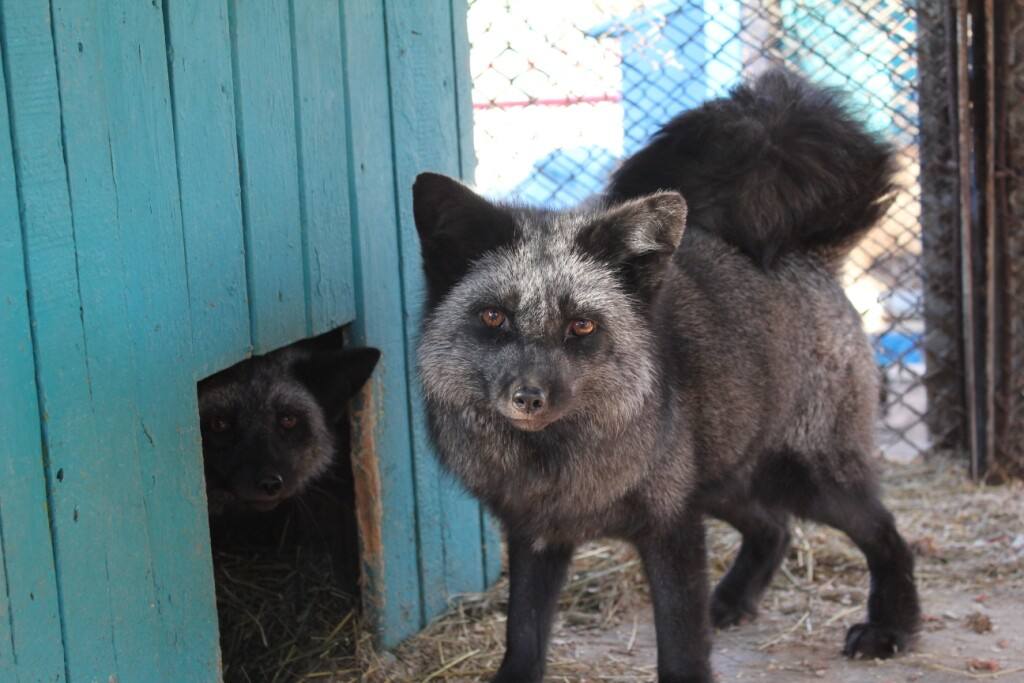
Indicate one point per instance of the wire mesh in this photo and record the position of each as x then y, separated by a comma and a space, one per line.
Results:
563, 90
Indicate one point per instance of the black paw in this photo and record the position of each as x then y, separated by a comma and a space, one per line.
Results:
726, 613
698, 677
872, 641
510, 675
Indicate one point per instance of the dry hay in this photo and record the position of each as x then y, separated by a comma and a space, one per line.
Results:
605, 584
289, 624
282, 617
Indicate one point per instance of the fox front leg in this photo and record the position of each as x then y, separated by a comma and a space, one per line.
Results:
676, 569
535, 580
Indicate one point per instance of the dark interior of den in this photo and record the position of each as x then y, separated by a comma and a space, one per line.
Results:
279, 484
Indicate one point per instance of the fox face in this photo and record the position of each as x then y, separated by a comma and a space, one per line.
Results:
268, 423
536, 319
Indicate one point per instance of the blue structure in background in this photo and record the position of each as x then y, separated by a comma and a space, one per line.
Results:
679, 53
858, 50
897, 347
674, 56
566, 177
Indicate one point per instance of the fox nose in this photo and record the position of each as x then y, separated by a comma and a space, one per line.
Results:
271, 484
530, 401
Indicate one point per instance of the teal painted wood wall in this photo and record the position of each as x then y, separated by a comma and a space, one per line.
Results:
182, 184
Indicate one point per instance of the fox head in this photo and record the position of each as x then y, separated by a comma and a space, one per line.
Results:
268, 423
537, 318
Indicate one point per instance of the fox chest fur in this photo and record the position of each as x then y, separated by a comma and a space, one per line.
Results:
567, 483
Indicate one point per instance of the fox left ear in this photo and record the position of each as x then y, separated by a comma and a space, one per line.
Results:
638, 236
456, 226
336, 376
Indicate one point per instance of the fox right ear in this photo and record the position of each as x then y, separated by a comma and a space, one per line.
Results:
456, 226
336, 376
639, 236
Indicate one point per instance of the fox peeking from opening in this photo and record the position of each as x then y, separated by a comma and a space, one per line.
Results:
270, 423
626, 369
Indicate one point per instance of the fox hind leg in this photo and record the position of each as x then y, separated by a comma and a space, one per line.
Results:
848, 500
894, 613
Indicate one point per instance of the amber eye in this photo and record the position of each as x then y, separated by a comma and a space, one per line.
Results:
492, 317
582, 327
219, 425
288, 421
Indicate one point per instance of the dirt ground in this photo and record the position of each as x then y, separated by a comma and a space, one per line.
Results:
969, 543
777, 649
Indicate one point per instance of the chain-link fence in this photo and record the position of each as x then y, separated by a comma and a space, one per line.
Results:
563, 90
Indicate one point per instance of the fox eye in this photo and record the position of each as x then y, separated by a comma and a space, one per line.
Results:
493, 317
582, 327
288, 421
219, 425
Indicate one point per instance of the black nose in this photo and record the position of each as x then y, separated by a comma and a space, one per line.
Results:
530, 401
272, 484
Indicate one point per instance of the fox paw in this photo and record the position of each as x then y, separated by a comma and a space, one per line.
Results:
512, 674
872, 641
693, 678
726, 613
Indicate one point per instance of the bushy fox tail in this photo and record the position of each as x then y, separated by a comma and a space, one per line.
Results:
779, 165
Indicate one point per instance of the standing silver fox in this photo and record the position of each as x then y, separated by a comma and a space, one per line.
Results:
606, 373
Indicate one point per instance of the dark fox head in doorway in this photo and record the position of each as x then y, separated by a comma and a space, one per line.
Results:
270, 423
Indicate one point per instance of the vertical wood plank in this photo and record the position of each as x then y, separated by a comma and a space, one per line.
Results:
463, 89
426, 133
385, 494
63, 379
113, 463
199, 57
7, 661
265, 113
157, 303
323, 165
31, 647
490, 532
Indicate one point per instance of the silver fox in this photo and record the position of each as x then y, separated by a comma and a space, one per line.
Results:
605, 372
